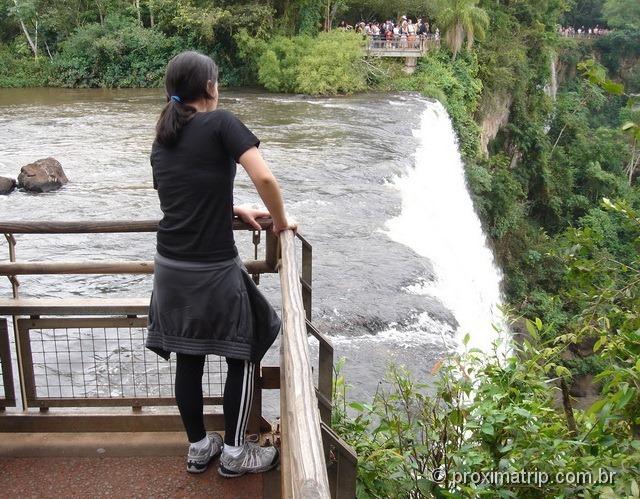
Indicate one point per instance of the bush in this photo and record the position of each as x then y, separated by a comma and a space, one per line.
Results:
22, 71
119, 53
329, 64
496, 413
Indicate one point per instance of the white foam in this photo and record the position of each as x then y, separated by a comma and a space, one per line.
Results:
423, 330
438, 221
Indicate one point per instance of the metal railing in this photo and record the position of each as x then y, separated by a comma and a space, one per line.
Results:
401, 43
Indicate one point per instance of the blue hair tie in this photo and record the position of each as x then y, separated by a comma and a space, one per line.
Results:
176, 98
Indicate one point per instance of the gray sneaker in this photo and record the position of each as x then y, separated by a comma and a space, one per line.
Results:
252, 459
198, 459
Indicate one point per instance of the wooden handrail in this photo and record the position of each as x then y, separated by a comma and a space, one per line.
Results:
304, 471
100, 226
104, 267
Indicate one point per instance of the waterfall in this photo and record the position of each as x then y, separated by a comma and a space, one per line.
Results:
551, 89
438, 222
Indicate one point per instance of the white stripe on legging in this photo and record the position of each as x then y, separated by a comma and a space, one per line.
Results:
245, 402
245, 420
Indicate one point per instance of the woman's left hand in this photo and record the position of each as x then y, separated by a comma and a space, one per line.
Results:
249, 215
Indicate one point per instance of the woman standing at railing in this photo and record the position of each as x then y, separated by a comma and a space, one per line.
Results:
203, 301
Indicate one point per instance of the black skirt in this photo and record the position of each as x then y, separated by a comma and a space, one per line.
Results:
201, 308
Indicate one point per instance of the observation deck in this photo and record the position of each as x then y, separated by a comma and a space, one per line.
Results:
85, 409
411, 48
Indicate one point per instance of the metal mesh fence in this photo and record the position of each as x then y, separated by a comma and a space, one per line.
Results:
107, 363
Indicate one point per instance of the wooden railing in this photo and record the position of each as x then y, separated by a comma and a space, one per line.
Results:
304, 471
316, 462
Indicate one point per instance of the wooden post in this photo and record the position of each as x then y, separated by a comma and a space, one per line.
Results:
304, 472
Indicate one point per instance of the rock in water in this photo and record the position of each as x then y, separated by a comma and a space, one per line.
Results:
45, 175
7, 185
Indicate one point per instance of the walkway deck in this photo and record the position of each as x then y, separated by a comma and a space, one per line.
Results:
122, 477
115, 465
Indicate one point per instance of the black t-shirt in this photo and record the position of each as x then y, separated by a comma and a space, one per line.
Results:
194, 179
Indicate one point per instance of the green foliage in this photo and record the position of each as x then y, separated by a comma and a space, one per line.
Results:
332, 63
461, 20
489, 413
622, 13
118, 53
25, 71
584, 13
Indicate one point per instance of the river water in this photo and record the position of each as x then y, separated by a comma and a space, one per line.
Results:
401, 267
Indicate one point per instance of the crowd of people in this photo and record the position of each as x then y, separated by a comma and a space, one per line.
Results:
404, 33
582, 31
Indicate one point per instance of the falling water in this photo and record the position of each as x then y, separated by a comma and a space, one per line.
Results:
551, 88
438, 221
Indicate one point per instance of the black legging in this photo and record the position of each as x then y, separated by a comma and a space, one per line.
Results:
238, 396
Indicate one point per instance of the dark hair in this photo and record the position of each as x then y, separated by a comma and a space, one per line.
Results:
185, 81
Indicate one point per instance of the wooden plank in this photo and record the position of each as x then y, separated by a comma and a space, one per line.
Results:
9, 399
286, 486
325, 407
307, 275
321, 337
26, 362
30, 422
74, 306
270, 377
102, 268
344, 466
306, 472
101, 226
112, 401
99, 322
272, 250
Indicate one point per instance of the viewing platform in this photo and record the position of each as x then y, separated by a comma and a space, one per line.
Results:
411, 48
88, 410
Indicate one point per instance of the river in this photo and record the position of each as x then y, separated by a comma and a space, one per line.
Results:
401, 267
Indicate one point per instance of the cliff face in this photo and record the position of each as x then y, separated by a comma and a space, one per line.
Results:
494, 112
495, 115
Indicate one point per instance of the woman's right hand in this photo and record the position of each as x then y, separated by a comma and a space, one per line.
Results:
289, 224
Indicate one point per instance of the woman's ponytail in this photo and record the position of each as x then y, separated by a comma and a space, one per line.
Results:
186, 80
173, 117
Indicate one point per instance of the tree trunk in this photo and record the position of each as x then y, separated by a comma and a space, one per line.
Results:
100, 12
568, 409
36, 42
139, 13
34, 47
46, 45
326, 16
633, 162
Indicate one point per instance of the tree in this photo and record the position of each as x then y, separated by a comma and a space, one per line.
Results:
25, 10
584, 13
622, 13
462, 20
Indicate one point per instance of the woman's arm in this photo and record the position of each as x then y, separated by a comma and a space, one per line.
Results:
267, 187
